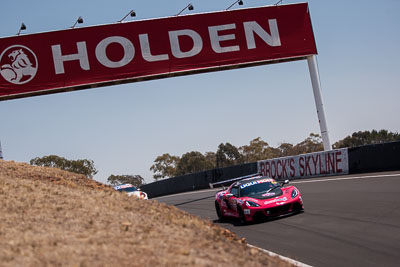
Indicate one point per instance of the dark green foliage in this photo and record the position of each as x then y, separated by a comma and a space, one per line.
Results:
193, 162
257, 150
228, 155
81, 166
313, 143
135, 180
164, 166
366, 138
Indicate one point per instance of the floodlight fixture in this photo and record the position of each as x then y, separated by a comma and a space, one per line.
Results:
22, 28
189, 7
79, 20
239, 2
131, 13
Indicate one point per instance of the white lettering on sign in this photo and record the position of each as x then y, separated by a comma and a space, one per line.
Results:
129, 52
176, 48
308, 165
102, 55
215, 38
59, 59
146, 52
252, 27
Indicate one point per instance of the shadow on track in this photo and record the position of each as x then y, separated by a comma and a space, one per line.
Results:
194, 200
236, 222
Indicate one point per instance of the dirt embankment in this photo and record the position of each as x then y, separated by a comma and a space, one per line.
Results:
49, 217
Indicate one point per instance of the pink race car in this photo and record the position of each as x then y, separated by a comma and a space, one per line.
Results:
255, 197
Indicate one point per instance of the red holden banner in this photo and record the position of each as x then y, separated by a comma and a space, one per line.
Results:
102, 55
334, 162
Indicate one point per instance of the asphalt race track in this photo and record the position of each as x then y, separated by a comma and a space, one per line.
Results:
349, 220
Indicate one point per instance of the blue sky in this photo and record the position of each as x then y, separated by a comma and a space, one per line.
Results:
124, 128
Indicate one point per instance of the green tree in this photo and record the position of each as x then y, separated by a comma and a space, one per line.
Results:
211, 158
192, 162
285, 149
228, 155
366, 138
135, 180
164, 166
81, 166
313, 143
257, 150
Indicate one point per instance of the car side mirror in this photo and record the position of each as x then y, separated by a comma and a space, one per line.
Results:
229, 195
285, 182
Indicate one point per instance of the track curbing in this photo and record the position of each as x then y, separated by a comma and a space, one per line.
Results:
273, 254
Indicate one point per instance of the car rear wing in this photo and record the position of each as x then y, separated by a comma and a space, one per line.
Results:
230, 181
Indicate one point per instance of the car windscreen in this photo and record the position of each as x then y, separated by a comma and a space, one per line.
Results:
261, 189
128, 189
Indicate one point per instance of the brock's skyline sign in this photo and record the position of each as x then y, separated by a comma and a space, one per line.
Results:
102, 55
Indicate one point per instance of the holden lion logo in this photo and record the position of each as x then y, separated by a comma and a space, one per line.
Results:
18, 64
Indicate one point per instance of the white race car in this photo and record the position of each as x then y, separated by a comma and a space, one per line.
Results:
131, 190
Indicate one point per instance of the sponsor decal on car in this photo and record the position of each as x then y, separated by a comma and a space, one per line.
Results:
258, 182
282, 200
269, 194
118, 187
246, 211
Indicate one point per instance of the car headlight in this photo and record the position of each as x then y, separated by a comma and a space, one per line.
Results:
294, 193
251, 204
143, 195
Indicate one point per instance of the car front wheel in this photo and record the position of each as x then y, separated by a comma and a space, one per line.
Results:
219, 212
242, 218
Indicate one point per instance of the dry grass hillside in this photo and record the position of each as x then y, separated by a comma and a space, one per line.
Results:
50, 217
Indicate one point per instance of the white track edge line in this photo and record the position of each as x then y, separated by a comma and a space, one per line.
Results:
344, 178
273, 254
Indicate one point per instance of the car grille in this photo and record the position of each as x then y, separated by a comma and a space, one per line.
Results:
278, 210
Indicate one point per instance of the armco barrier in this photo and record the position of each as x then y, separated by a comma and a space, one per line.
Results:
374, 158
197, 181
370, 158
